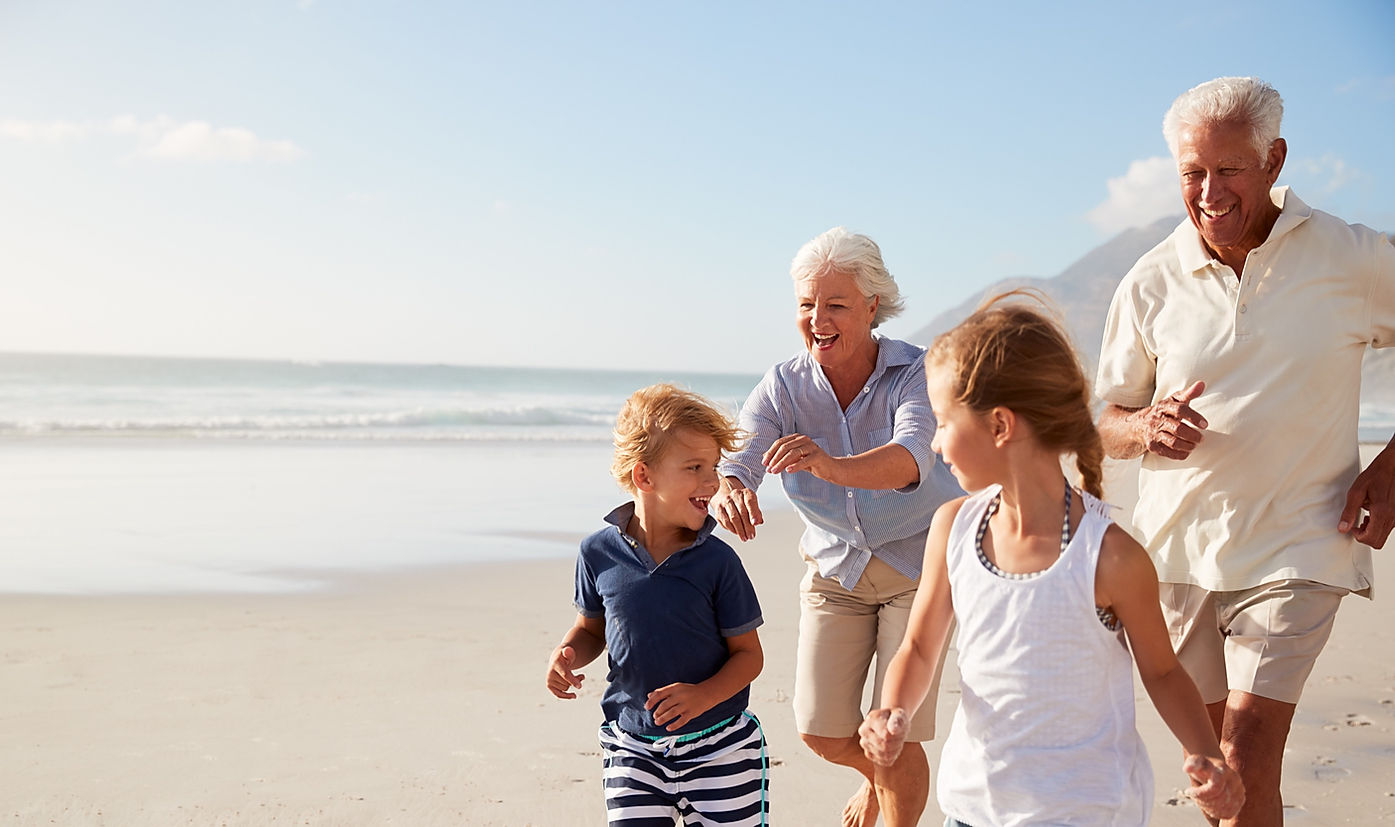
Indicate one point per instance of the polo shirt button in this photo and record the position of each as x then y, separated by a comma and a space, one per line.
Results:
1244, 309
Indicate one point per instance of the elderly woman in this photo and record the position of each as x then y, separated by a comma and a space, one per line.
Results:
847, 426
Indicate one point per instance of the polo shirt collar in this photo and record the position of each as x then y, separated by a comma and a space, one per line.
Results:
1191, 253
620, 518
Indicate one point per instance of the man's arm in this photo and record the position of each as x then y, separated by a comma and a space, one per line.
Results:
1373, 490
1170, 428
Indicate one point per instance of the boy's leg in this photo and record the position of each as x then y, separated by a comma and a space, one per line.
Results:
637, 790
723, 778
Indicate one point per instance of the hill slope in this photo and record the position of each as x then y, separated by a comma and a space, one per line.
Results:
1083, 290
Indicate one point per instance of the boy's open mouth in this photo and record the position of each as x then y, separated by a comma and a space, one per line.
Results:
700, 502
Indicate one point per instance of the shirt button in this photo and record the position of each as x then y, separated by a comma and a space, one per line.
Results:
1244, 309
850, 495
866, 390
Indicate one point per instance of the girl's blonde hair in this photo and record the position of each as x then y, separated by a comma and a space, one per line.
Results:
1011, 355
649, 418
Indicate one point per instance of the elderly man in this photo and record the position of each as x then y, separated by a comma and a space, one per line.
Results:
1232, 363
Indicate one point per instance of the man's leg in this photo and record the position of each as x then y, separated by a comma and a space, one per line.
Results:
898, 792
1252, 740
1273, 636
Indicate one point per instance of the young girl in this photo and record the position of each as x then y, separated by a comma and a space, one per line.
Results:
1045, 589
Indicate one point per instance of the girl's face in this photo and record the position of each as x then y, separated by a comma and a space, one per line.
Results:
962, 437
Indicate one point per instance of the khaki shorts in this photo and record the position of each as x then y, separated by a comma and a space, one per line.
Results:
839, 632
1263, 640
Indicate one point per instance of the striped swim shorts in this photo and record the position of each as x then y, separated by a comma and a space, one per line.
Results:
718, 776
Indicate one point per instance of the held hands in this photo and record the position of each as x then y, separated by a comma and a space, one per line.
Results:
561, 680
1217, 787
883, 735
1172, 428
677, 703
737, 510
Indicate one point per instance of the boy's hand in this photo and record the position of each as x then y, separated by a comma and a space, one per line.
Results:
561, 680
677, 704
1216, 787
883, 734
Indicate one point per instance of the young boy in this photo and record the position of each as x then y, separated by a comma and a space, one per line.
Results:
679, 615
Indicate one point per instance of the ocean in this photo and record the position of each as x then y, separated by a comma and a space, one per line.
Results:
134, 474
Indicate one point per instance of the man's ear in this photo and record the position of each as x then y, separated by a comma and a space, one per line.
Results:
639, 475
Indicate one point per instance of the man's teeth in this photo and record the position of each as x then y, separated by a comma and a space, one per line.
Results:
1218, 213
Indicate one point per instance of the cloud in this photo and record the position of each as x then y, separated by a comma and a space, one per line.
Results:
1382, 88
1326, 174
1147, 192
43, 132
164, 138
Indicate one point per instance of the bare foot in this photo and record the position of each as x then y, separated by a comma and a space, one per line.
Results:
862, 809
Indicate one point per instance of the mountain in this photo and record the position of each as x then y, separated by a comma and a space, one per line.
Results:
1083, 290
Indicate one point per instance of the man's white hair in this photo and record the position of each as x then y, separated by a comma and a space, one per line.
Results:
1248, 101
856, 255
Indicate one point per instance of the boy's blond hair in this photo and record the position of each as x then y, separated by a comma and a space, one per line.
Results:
651, 414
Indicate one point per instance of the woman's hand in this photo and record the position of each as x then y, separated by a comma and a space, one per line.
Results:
797, 452
737, 509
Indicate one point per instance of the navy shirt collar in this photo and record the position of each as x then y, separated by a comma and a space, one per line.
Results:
620, 518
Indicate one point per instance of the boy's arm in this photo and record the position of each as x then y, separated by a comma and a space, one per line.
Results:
912, 671
678, 703
583, 643
1127, 583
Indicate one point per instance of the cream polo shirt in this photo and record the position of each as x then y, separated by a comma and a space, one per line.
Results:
1280, 351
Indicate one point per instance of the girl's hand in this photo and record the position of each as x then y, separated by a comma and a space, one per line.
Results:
677, 704
883, 735
1216, 787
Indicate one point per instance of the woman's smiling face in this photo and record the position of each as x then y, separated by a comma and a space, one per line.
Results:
834, 318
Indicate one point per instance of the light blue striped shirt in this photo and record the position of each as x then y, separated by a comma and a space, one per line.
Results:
844, 526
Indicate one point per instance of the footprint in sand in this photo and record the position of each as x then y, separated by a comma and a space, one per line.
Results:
1357, 720
1325, 769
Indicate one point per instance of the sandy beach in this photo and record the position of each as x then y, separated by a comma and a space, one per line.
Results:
416, 698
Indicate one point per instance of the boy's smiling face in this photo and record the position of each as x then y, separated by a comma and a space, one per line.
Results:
682, 480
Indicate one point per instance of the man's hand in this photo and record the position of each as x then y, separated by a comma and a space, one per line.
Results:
561, 680
883, 735
737, 509
677, 704
1171, 428
1216, 787
1374, 493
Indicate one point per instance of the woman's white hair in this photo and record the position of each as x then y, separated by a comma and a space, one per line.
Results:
856, 255
1248, 101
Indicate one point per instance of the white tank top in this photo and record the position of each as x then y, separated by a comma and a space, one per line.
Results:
1044, 732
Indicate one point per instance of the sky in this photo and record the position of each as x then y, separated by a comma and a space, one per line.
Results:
607, 184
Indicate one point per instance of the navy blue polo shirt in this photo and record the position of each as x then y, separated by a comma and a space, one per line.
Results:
663, 624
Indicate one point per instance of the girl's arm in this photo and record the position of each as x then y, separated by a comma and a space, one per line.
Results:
1127, 583
678, 703
583, 643
912, 671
